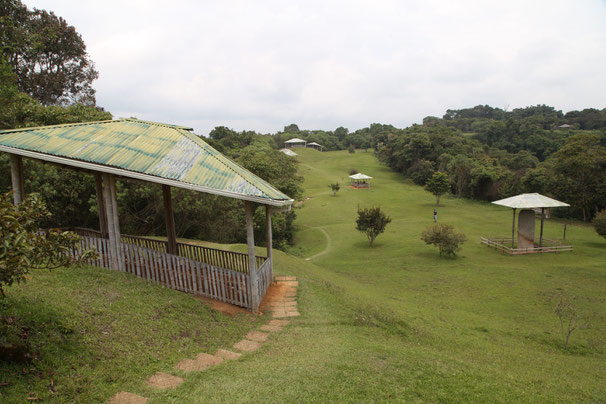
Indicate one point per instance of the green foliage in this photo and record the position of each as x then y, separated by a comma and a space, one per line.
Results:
351, 149
353, 171
438, 185
24, 246
47, 55
372, 222
599, 223
569, 315
444, 237
334, 188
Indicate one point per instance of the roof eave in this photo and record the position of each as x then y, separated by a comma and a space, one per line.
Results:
141, 176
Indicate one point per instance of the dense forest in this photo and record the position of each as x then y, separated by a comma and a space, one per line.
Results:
488, 153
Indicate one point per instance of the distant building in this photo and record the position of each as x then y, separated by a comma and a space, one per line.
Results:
289, 144
565, 126
289, 152
314, 145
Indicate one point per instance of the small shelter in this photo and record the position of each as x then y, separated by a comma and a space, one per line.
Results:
360, 180
314, 145
526, 242
295, 142
289, 152
170, 156
565, 126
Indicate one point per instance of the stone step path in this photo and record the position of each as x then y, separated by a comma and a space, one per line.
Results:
281, 300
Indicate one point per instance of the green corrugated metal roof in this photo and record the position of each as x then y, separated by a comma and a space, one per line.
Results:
167, 152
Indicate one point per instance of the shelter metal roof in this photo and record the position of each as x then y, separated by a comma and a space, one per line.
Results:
149, 151
529, 201
289, 152
360, 176
314, 144
296, 140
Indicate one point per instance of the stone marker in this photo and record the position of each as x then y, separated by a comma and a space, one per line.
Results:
124, 397
164, 381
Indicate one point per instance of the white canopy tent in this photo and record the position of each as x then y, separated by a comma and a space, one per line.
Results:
529, 201
360, 180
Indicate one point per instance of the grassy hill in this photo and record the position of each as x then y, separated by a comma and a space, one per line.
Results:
389, 322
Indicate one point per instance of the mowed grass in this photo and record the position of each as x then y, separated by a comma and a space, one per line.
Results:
393, 322
92, 332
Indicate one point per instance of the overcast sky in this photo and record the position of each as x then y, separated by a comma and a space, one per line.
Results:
261, 65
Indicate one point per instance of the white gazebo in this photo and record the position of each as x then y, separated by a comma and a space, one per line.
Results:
289, 152
526, 244
314, 145
295, 142
360, 180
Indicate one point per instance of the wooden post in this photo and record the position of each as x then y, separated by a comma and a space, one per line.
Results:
541, 236
17, 178
113, 225
513, 227
269, 240
252, 270
101, 206
170, 221
564, 231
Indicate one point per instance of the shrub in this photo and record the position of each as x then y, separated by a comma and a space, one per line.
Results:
351, 149
599, 223
25, 247
335, 188
372, 221
444, 237
353, 171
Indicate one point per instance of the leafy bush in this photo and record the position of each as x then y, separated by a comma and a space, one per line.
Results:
353, 171
372, 222
599, 223
334, 188
444, 237
351, 149
24, 246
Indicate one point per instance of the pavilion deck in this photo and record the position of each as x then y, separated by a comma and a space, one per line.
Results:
204, 271
504, 244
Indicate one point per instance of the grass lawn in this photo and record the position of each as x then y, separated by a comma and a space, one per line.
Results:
392, 322
91, 332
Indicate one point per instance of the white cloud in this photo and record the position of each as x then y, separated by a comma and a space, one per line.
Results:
322, 64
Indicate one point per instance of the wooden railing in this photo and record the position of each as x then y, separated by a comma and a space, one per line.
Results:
503, 244
226, 259
205, 271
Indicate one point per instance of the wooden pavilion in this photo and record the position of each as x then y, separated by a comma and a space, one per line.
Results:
170, 156
314, 145
526, 242
295, 142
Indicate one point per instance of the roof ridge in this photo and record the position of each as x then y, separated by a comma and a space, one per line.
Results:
59, 125
216, 152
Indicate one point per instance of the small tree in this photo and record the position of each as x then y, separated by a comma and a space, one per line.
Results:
372, 221
23, 246
353, 171
599, 223
438, 185
444, 237
335, 188
568, 314
351, 149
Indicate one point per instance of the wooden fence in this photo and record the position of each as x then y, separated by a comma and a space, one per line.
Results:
198, 270
503, 244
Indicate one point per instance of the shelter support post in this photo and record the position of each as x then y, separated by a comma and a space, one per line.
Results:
17, 178
101, 205
542, 219
269, 240
113, 225
252, 270
169, 218
513, 227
